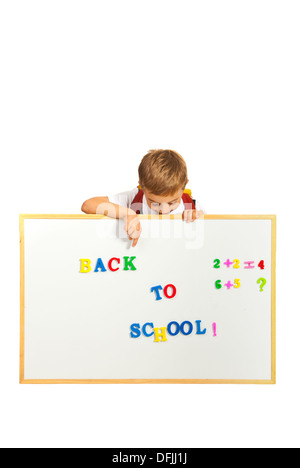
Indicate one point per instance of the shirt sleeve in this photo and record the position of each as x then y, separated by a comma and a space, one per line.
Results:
123, 198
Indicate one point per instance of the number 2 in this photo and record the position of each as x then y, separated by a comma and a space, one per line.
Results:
216, 263
236, 263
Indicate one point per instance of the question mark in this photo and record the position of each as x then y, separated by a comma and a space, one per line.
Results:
263, 282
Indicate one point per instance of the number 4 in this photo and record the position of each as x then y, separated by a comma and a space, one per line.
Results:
261, 265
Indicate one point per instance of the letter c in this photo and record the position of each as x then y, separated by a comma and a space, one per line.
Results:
144, 329
110, 262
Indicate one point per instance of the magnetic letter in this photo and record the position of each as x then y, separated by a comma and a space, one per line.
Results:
177, 328
161, 335
135, 330
99, 264
129, 262
144, 329
189, 330
199, 332
166, 291
85, 265
110, 262
156, 288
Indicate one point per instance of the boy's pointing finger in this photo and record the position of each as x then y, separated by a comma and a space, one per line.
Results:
135, 241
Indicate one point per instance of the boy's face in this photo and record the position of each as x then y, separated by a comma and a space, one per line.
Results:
163, 204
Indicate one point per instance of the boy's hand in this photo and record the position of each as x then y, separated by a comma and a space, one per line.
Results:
191, 215
133, 228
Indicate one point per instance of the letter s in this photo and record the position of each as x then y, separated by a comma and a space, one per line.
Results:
135, 330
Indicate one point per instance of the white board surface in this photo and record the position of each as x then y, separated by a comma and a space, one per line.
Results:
78, 326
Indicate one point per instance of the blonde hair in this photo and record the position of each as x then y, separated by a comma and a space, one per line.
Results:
163, 172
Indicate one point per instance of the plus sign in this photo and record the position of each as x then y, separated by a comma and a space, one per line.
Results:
229, 285
228, 263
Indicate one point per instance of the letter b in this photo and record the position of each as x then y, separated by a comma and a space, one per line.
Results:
85, 265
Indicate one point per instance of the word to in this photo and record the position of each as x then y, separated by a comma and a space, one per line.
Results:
173, 328
85, 264
165, 290
236, 264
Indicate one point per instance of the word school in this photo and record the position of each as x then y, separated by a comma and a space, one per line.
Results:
173, 328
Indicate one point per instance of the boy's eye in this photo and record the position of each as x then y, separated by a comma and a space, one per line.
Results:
170, 203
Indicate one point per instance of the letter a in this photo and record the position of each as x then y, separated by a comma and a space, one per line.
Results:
99, 264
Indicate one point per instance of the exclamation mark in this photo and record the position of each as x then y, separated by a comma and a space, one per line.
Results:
215, 329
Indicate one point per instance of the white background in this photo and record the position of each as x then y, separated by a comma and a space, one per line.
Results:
86, 89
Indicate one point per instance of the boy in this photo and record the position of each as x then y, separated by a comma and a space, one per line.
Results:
162, 182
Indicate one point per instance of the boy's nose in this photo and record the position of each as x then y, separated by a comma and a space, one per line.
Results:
164, 209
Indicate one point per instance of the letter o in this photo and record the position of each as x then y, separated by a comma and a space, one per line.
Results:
166, 291
169, 328
190, 328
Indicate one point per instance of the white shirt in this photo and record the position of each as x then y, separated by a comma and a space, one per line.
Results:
126, 198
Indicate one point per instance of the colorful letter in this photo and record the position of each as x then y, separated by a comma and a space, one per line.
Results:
129, 263
144, 329
85, 265
161, 335
166, 290
156, 288
177, 328
199, 332
99, 264
135, 330
110, 262
189, 330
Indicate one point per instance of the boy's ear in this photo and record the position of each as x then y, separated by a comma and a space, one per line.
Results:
186, 184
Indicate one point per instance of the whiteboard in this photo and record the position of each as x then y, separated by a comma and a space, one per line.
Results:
212, 325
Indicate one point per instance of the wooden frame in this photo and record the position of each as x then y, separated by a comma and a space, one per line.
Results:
22, 380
